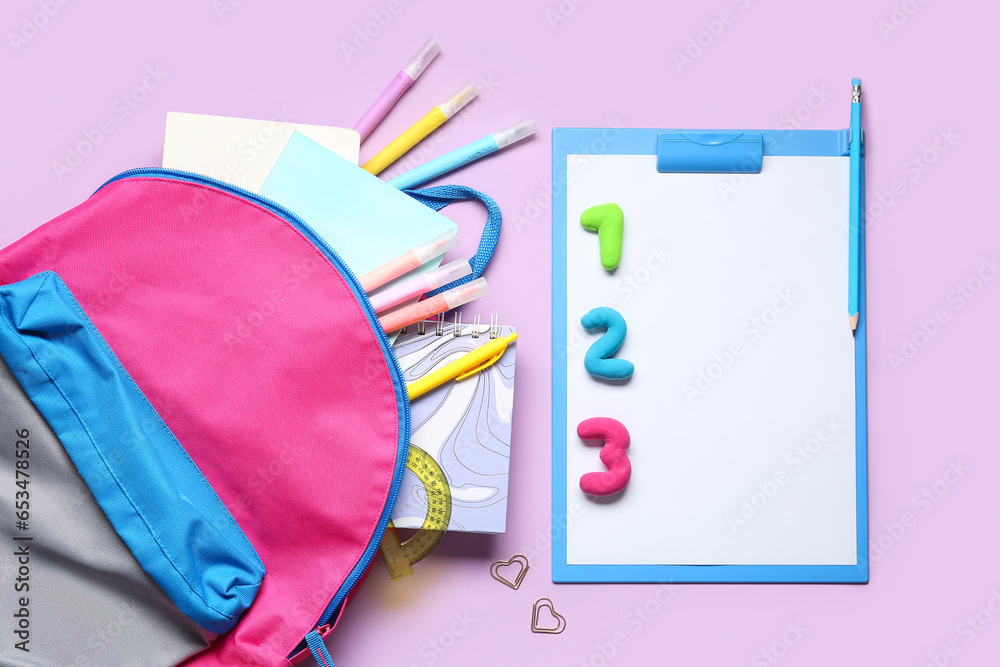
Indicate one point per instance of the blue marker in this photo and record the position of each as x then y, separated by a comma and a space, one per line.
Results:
854, 252
491, 143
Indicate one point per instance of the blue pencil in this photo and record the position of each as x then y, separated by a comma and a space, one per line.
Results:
854, 253
491, 143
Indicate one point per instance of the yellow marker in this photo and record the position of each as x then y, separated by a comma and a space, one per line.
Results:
413, 136
473, 362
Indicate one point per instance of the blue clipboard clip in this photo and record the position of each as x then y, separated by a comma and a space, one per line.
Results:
709, 152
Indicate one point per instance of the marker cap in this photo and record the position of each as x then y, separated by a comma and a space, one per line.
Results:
422, 58
462, 96
514, 133
448, 273
394, 295
436, 247
463, 294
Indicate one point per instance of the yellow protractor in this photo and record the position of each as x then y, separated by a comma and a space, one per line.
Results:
399, 557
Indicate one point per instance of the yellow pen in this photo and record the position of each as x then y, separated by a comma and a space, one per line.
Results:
473, 362
413, 136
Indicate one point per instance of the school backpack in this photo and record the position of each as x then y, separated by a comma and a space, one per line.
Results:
220, 380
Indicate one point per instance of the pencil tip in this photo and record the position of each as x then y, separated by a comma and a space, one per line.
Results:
854, 323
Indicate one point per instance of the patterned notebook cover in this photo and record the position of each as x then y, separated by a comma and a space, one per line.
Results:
465, 426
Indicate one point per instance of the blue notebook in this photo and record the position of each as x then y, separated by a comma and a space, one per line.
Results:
368, 222
747, 409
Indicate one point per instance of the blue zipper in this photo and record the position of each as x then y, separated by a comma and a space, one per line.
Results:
401, 393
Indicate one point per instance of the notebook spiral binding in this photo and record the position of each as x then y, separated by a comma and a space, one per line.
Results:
476, 330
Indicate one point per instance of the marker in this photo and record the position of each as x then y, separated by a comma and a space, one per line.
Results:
409, 260
419, 285
399, 85
491, 143
453, 298
468, 364
433, 120
854, 252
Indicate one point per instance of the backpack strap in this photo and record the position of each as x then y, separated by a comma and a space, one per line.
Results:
440, 196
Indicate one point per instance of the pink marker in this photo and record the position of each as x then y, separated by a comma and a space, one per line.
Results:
453, 298
399, 85
409, 260
418, 285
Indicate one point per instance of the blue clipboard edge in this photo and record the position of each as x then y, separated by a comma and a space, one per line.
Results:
614, 141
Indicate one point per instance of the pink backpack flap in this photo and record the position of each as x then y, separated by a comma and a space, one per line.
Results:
261, 353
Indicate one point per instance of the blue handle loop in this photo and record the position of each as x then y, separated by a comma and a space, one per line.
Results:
440, 196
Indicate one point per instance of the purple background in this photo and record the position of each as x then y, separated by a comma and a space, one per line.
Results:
930, 75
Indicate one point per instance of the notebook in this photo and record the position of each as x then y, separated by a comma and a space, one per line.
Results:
367, 221
240, 151
746, 410
465, 425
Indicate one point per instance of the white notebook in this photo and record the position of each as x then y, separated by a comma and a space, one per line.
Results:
240, 151
465, 426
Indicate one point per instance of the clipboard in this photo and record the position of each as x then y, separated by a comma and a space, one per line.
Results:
701, 460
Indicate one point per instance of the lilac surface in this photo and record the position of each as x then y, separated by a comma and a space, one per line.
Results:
930, 95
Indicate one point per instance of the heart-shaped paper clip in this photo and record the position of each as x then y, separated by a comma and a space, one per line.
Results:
560, 620
518, 578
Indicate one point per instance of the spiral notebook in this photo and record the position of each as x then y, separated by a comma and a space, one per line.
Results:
465, 426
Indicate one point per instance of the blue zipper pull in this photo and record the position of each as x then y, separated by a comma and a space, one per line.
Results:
318, 649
